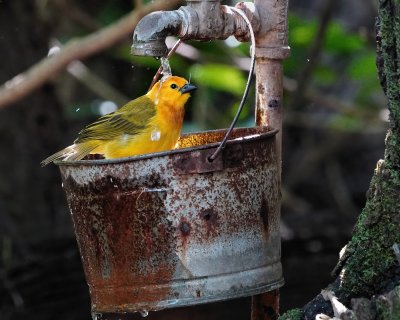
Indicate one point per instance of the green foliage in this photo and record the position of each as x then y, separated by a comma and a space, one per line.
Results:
293, 314
110, 12
372, 259
219, 76
388, 306
302, 31
363, 66
346, 62
326, 76
350, 52
340, 41
343, 122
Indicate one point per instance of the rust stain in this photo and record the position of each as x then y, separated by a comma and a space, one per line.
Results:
210, 219
126, 243
261, 89
273, 103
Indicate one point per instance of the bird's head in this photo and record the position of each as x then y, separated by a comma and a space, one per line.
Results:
172, 91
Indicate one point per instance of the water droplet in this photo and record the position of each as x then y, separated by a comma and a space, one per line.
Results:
54, 50
308, 60
106, 107
144, 313
384, 115
125, 138
77, 109
166, 68
232, 42
155, 135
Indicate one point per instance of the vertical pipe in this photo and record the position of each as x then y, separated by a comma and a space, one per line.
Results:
265, 306
271, 49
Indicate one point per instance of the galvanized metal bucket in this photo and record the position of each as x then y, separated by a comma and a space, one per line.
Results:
173, 229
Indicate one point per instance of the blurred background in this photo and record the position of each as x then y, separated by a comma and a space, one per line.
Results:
334, 129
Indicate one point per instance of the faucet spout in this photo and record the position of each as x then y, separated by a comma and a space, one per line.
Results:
151, 31
199, 20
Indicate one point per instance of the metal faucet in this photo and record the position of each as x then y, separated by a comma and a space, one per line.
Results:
199, 19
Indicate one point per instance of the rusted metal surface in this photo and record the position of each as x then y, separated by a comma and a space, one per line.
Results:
265, 306
199, 19
197, 162
272, 47
152, 239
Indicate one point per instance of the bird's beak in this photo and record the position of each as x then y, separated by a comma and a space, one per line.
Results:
188, 87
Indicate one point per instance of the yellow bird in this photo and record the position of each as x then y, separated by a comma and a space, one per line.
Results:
150, 123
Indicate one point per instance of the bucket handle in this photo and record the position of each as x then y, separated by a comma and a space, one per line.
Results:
221, 146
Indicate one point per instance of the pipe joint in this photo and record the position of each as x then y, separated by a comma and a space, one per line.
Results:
200, 20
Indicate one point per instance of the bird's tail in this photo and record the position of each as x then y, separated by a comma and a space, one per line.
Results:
71, 153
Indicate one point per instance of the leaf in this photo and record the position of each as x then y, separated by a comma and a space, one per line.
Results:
303, 34
219, 76
340, 41
363, 67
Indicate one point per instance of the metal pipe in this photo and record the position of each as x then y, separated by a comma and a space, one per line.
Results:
271, 48
200, 19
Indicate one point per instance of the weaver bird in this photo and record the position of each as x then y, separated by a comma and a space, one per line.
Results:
150, 123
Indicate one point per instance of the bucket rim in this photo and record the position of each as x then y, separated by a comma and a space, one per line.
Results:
269, 132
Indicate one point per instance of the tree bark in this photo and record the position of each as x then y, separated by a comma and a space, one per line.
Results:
369, 265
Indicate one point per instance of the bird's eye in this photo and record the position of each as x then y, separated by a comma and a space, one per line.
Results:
174, 86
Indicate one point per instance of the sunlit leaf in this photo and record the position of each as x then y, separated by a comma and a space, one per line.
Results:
220, 77
339, 40
303, 34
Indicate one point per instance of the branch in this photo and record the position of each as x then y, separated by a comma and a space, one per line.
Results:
24, 83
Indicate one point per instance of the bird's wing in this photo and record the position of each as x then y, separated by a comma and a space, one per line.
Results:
130, 119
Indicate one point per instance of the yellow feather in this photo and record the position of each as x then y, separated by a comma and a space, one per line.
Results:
150, 123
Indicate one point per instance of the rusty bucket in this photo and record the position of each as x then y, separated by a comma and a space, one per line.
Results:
173, 229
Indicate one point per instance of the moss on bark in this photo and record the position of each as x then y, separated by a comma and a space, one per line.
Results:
370, 262
388, 306
293, 314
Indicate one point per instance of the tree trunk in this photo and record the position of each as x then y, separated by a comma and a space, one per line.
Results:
369, 265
